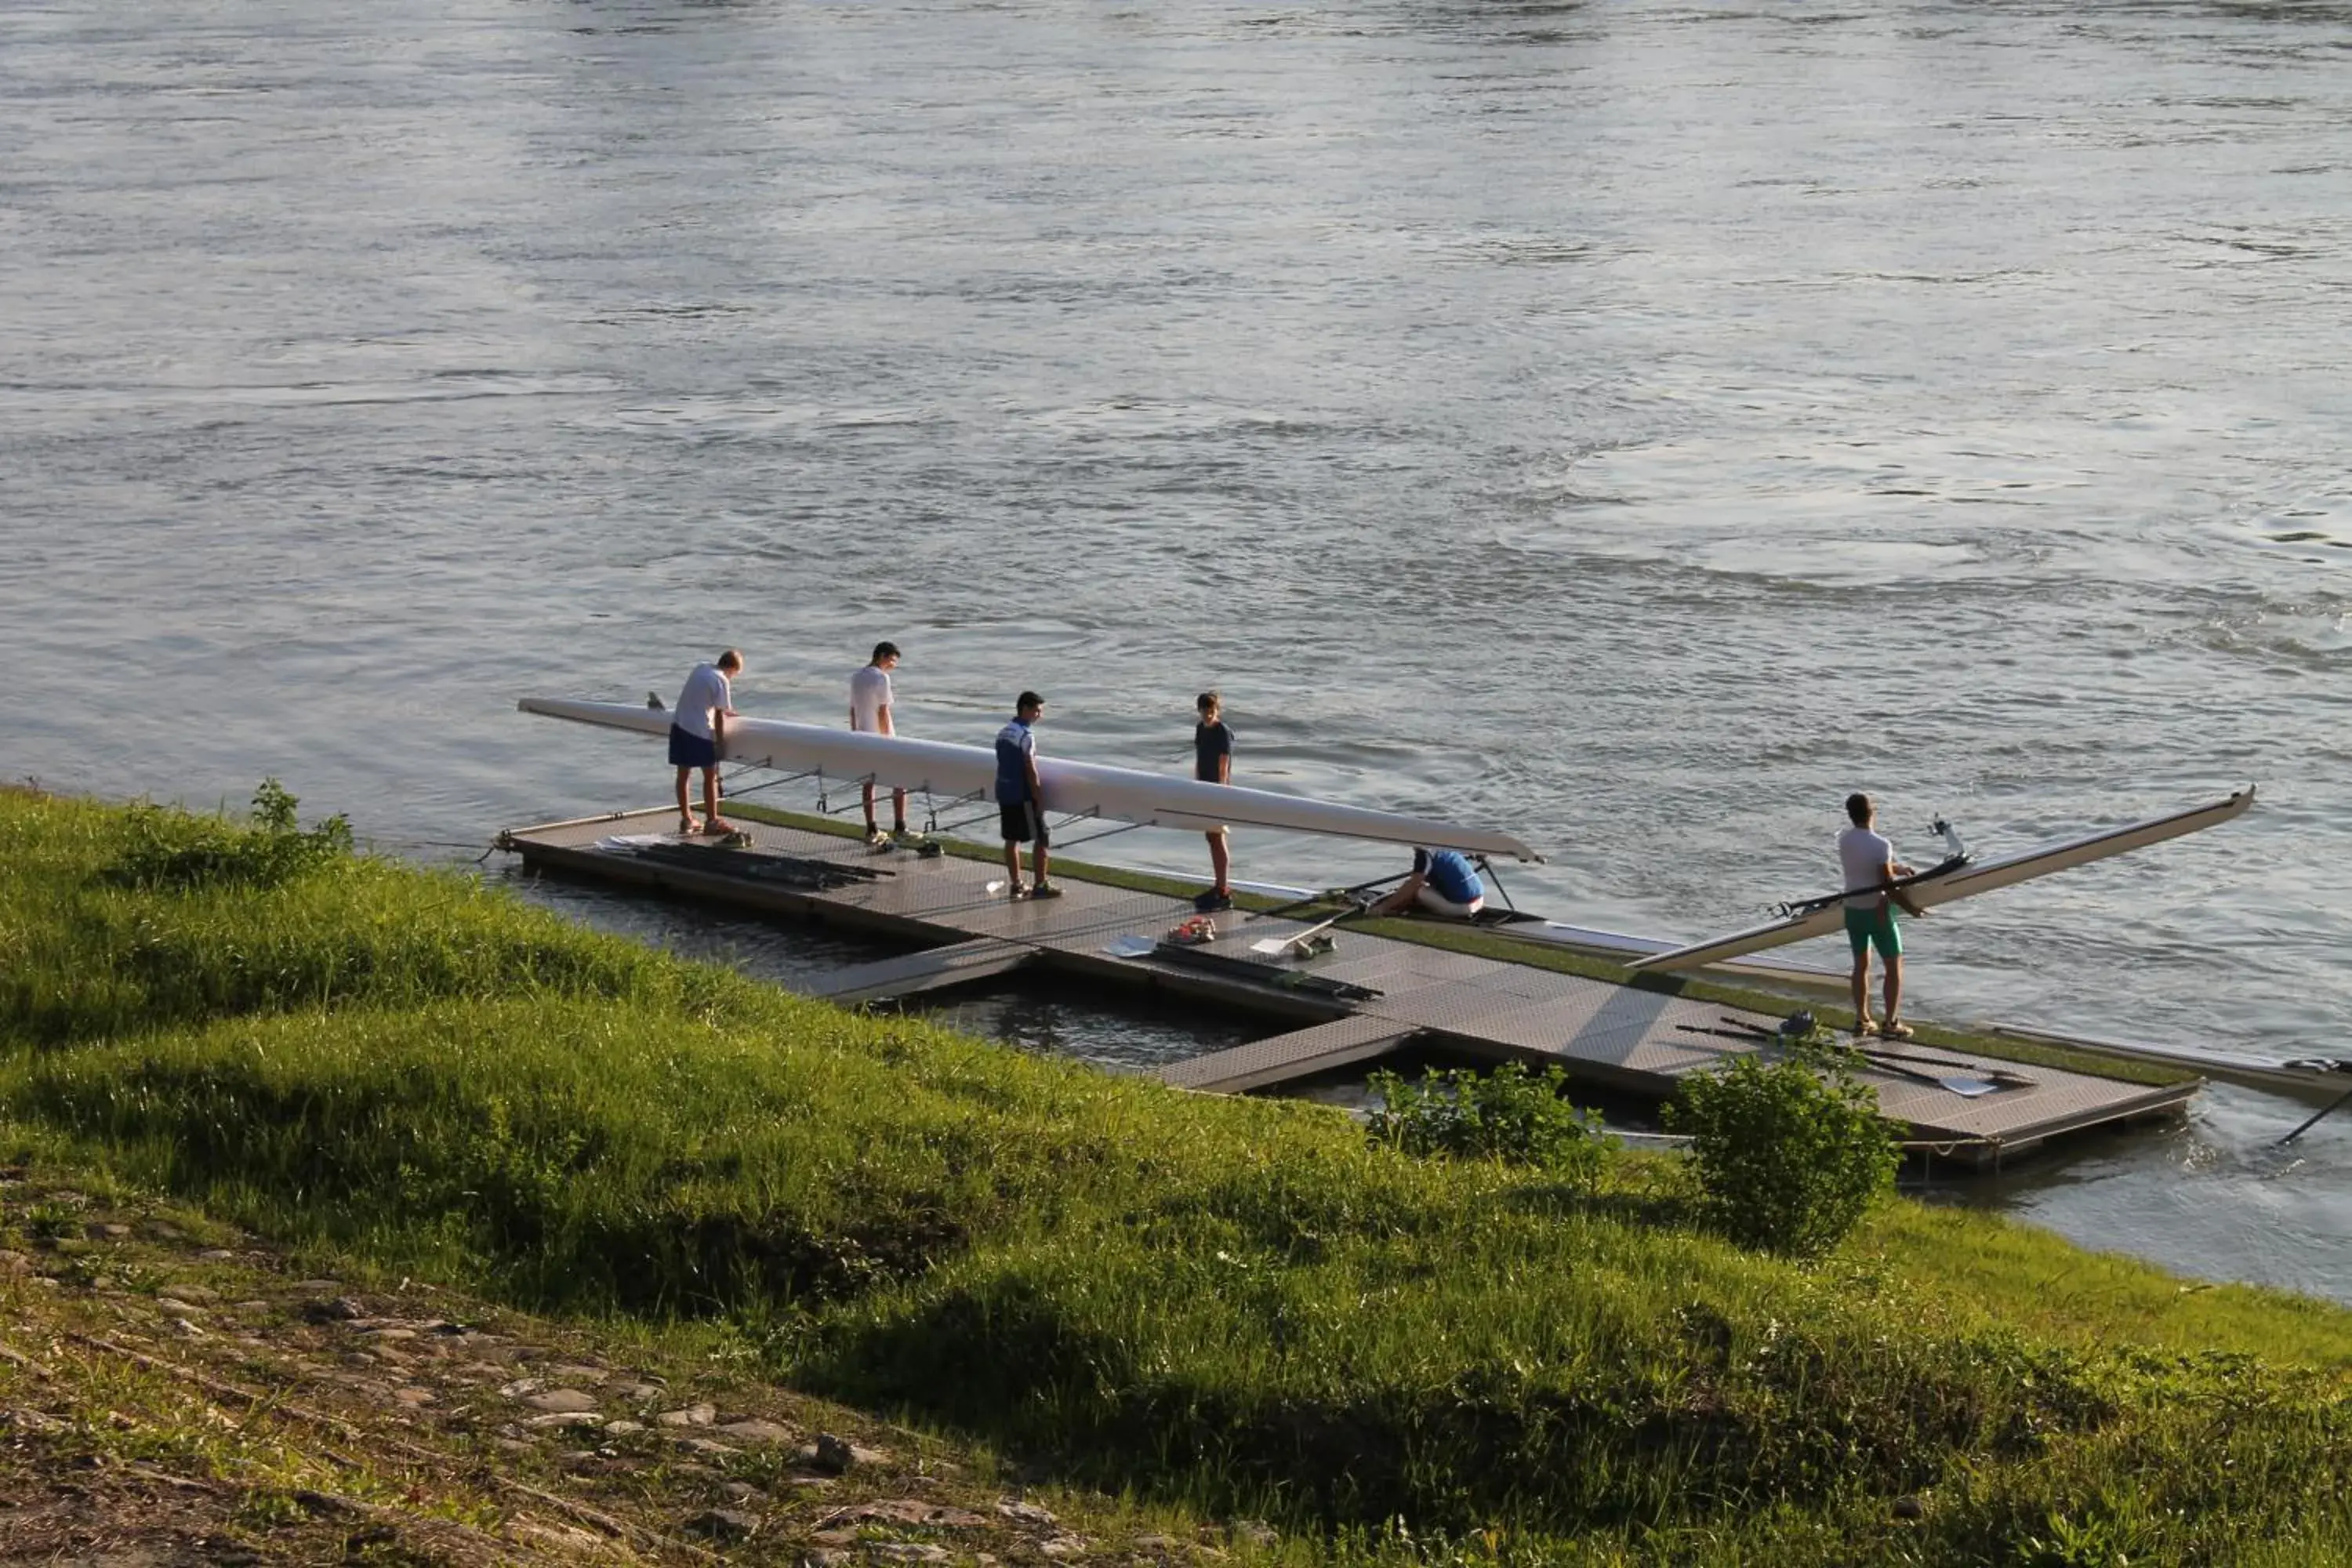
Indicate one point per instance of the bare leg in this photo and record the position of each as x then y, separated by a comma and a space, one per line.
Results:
1221, 859
868, 796
711, 821
1037, 864
1012, 865
1894, 988
897, 810
1862, 988
685, 823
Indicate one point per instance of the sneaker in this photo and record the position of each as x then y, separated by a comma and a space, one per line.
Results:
1865, 1026
907, 839
1045, 890
1895, 1031
876, 838
1212, 900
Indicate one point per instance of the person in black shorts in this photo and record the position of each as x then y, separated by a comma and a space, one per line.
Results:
1212, 763
1020, 801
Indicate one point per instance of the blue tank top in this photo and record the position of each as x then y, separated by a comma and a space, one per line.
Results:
1451, 874
1014, 747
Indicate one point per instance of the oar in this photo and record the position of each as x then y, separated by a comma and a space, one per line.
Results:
1763, 1036
1313, 898
2317, 1118
1888, 1062
1279, 946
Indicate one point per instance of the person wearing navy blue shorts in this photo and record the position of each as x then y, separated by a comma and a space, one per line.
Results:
1020, 800
697, 732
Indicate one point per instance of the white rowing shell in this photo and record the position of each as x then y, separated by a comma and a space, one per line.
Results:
940, 768
1965, 882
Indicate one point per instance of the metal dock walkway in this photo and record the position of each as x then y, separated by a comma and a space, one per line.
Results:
1369, 997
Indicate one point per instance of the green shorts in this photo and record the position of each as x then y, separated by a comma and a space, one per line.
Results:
1875, 927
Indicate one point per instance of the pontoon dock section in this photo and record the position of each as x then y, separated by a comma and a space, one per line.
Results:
1370, 996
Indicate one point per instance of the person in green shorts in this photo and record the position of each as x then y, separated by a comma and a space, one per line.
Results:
1869, 862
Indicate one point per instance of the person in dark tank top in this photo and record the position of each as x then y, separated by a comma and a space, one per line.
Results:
1212, 763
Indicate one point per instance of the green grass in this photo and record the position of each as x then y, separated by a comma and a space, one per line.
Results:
1233, 1305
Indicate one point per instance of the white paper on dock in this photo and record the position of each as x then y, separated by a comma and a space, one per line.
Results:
1130, 946
638, 840
1273, 946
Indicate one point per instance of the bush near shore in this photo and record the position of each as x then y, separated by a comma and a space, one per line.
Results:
1240, 1305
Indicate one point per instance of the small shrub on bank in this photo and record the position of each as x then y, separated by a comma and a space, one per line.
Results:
1508, 1114
169, 847
1789, 1155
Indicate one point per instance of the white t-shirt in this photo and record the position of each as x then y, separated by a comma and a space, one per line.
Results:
869, 694
1864, 855
706, 689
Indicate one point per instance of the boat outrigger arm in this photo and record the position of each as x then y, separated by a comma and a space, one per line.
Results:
1956, 855
947, 771
1959, 877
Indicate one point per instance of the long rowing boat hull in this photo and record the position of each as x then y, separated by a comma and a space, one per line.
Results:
945, 770
1967, 881
2318, 1078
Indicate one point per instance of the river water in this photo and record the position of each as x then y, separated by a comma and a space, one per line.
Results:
1637, 424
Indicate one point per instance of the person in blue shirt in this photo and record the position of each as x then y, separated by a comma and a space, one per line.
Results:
1444, 882
1020, 804
1212, 763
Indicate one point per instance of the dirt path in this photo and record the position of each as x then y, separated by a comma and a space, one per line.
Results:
172, 1393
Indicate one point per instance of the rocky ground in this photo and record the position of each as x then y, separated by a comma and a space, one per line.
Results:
172, 1393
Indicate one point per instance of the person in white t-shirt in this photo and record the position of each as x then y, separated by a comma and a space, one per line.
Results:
698, 732
870, 698
1869, 863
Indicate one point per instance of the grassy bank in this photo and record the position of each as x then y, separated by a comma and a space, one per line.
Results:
1233, 1306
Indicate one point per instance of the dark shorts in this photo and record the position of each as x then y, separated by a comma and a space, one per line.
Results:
1022, 823
691, 751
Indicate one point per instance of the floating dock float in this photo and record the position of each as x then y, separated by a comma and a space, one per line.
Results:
1370, 996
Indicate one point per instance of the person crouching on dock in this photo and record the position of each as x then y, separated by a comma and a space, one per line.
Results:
871, 701
1442, 881
698, 732
1868, 860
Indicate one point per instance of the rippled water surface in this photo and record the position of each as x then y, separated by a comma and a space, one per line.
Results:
1635, 423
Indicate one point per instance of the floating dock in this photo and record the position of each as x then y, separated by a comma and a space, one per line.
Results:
1369, 996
